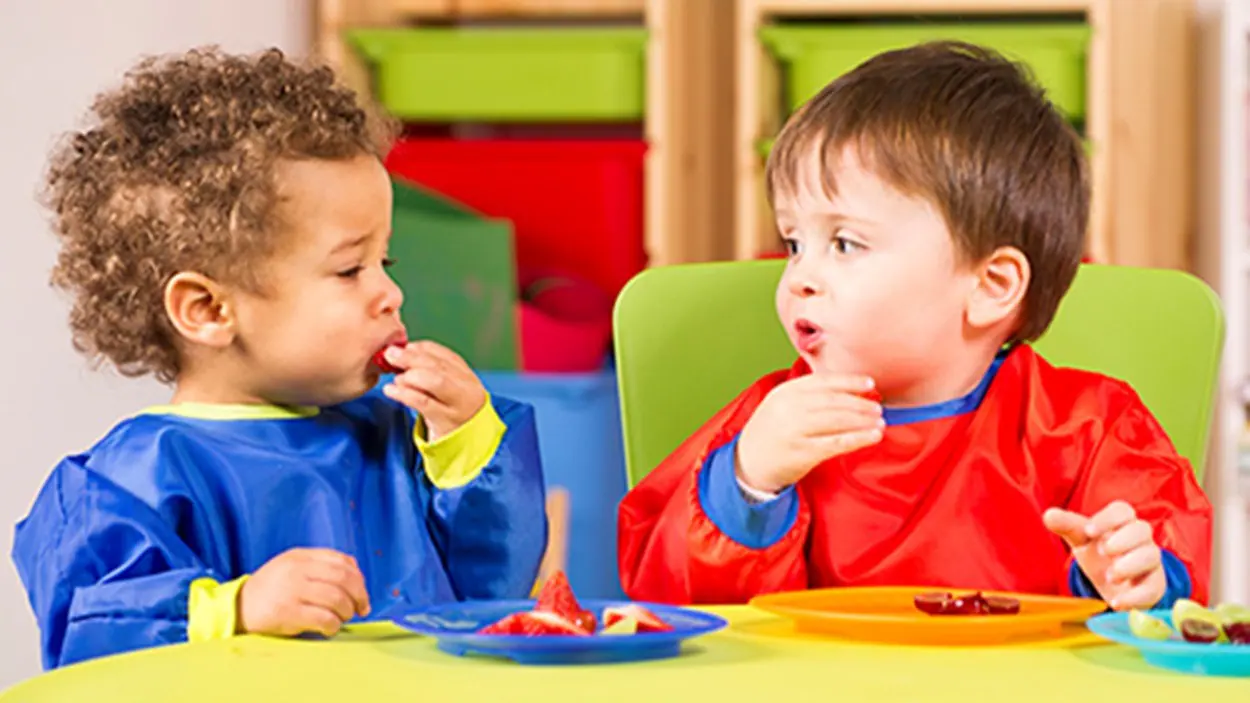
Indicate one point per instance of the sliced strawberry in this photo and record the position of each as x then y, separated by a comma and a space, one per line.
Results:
532, 623
621, 625
513, 624
647, 620
379, 360
557, 597
543, 623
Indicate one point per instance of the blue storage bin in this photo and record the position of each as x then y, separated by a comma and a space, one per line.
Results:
579, 434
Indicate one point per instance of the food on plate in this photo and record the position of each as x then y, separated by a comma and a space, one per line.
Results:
557, 597
975, 603
1227, 623
1148, 627
557, 612
533, 622
645, 620
1200, 631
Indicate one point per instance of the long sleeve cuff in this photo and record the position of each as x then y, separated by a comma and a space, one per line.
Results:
458, 457
1179, 584
749, 522
212, 609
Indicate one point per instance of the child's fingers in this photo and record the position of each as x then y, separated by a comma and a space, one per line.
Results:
1068, 525
1109, 518
846, 401
1135, 564
434, 351
407, 395
832, 422
425, 380
439, 380
839, 383
345, 575
315, 618
331, 596
1142, 596
1127, 538
847, 442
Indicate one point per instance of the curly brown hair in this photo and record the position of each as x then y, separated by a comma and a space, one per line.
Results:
177, 173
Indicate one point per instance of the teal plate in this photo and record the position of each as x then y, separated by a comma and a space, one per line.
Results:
1175, 654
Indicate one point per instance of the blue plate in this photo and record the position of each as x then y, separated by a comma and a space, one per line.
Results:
1175, 654
454, 626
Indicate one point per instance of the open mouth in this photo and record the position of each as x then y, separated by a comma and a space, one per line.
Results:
807, 335
379, 357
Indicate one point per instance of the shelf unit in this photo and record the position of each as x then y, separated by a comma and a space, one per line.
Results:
1138, 119
1224, 260
688, 94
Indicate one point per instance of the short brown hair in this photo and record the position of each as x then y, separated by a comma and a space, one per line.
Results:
970, 131
177, 172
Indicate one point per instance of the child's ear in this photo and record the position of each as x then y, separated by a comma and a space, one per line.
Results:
199, 309
1001, 281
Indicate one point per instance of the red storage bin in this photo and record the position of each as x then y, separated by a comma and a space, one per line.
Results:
565, 324
577, 205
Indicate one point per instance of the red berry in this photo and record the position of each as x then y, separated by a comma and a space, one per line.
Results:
379, 360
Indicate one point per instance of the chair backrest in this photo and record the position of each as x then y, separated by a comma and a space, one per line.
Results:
689, 338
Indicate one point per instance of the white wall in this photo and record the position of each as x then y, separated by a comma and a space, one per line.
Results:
54, 56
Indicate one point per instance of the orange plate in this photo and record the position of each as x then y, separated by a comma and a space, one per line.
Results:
888, 614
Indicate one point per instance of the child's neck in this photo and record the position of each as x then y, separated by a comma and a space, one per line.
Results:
959, 378
201, 386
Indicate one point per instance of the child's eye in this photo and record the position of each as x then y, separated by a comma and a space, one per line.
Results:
793, 246
842, 245
351, 272
388, 262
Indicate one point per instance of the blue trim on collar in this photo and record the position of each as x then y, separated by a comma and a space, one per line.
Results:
948, 408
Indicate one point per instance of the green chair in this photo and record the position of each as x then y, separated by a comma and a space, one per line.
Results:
689, 338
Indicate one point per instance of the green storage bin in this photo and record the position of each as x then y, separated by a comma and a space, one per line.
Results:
815, 55
507, 74
458, 274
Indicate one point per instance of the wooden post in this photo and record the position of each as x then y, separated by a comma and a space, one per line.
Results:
1151, 97
689, 99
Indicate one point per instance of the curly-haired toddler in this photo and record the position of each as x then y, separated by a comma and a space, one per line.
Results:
223, 226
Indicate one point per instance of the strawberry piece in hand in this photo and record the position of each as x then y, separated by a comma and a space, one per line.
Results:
647, 620
379, 360
557, 597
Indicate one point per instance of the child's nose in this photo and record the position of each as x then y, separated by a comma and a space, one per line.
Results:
804, 285
392, 297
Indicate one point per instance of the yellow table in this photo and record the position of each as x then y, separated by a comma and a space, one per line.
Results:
758, 658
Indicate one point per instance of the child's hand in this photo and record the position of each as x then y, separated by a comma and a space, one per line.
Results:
303, 590
437, 383
1117, 553
803, 422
